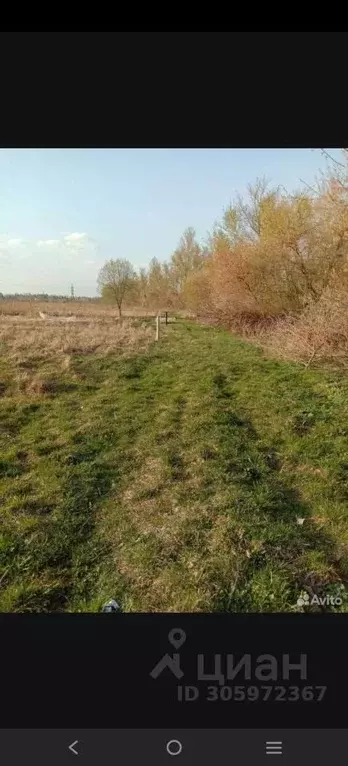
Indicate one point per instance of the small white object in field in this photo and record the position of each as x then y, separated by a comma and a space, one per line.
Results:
111, 606
300, 521
43, 316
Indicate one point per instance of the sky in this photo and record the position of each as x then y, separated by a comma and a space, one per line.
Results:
64, 212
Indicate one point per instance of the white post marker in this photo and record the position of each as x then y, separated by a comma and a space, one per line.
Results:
157, 327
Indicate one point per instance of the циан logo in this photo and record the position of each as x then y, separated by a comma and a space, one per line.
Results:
220, 667
177, 638
253, 677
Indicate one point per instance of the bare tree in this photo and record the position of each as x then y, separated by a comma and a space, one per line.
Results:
249, 212
116, 280
142, 286
186, 258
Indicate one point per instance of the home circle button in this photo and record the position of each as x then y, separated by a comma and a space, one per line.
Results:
174, 747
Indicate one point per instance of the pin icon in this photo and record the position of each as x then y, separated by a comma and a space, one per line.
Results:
177, 637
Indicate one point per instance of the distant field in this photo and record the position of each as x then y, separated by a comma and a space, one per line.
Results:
23, 308
194, 474
81, 309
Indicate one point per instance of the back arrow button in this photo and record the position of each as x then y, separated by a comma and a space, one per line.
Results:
72, 746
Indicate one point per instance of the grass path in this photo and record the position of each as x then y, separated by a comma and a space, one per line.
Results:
197, 476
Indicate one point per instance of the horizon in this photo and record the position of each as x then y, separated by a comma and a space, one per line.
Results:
64, 212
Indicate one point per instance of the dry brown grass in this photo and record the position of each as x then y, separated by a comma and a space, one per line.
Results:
81, 309
319, 334
55, 339
23, 336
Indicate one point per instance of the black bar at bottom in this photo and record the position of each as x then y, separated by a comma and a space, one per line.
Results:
183, 747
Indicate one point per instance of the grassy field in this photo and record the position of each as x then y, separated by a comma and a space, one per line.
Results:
194, 474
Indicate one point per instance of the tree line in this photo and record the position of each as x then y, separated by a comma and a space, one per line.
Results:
162, 285
42, 297
272, 254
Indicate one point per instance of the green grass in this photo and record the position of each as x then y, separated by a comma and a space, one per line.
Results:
174, 480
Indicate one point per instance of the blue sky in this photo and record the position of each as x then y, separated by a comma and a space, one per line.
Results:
63, 212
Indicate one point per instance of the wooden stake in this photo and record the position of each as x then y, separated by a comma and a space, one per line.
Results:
157, 326
166, 317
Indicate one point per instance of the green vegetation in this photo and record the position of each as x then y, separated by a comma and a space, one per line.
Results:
274, 268
198, 475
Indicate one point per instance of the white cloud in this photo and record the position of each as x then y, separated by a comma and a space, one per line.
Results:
14, 242
49, 242
75, 236
44, 263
